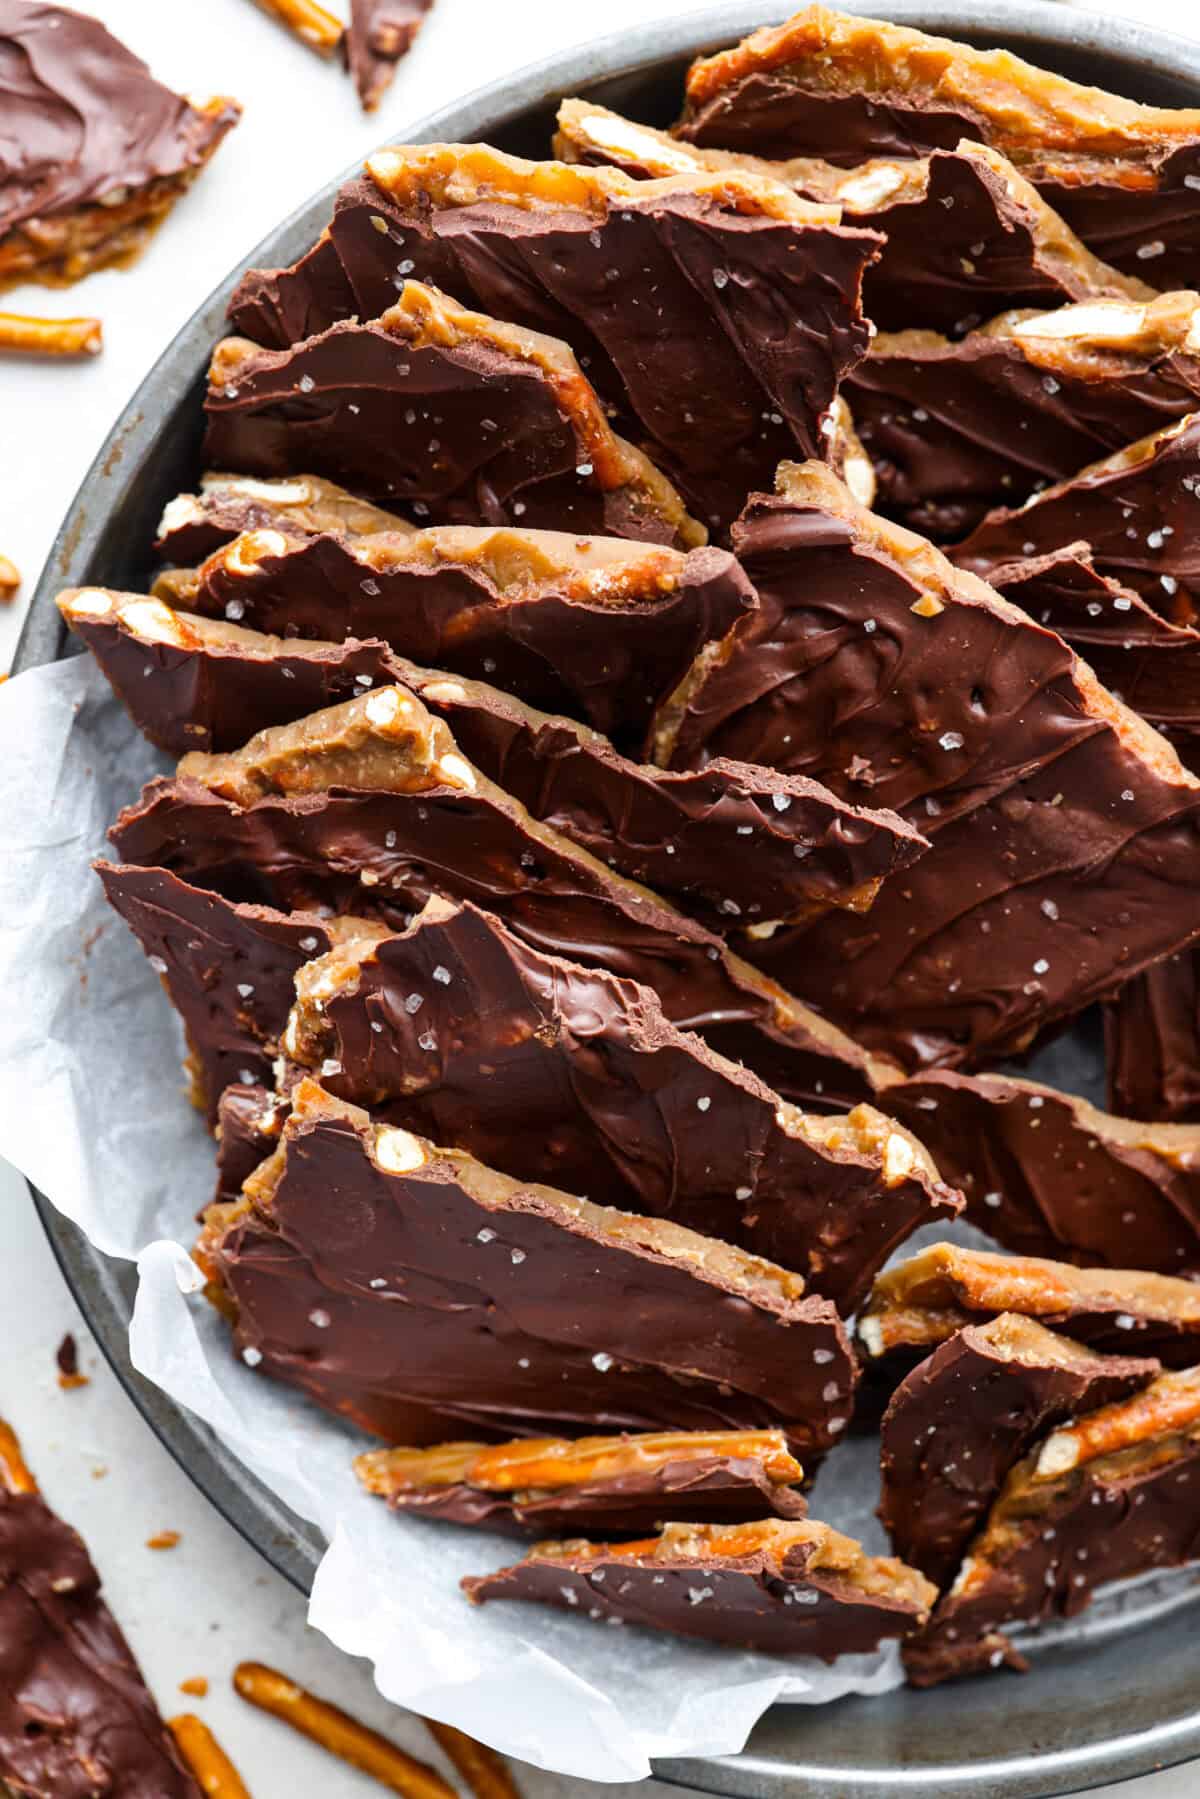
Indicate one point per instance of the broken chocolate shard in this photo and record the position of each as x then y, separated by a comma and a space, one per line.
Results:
1100, 1500
76, 1717
923, 1301
603, 629
378, 35
370, 807
433, 408
525, 1310
1124, 176
1137, 510
795, 1588
1152, 1040
98, 151
1047, 1174
626, 1484
966, 1415
734, 361
955, 429
193, 525
249, 1121
561, 1074
966, 235
1064, 829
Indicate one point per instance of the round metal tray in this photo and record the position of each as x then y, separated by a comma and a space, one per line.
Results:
1120, 1707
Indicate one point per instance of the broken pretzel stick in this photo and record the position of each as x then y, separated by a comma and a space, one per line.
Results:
485, 1772
50, 337
334, 1730
10, 579
215, 1773
307, 21
14, 1474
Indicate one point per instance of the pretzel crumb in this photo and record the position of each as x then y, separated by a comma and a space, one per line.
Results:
50, 337
195, 1686
215, 1773
163, 1539
67, 1357
10, 580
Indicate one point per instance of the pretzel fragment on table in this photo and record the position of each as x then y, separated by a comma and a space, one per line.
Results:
29, 336
15, 1476
486, 1773
10, 580
215, 1773
308, 21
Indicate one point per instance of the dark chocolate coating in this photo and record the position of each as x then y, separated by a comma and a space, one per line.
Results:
723, 334
1140, 521
244, 1139
229, 970
378, 34
740, 1603
962, 1419
954, 429
703, 1489
1153, 665
76, 1719
193, 525
608, 660
471, 435
1053, 843
1152, 1042
565, 1075
1044, 1176
1144, 222
542, 1323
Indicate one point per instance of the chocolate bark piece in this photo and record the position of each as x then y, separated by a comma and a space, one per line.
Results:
430, 406
923, 1301
602, 628
1063, 827
1152, 1040
207, 684
1048, 1174
566, 1075
1152, 664
1100, 1500
849, 88
797, 1588
622, 1484
193, 525
249, 1121
371, 807
378, 35
97, 151
1138, 511
76, 1718
955, 429
968, 1413
966, 235
228, 970
525, 1310
755, 317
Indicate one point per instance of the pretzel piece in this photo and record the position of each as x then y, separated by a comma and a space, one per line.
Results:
10, 580
486, 1773
307, 21
15, 1476
215, 1773
50, 337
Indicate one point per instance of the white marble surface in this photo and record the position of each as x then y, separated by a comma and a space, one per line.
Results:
198, 1609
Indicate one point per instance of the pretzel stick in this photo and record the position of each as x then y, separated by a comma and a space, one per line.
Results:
14, 1475
484, 1771
334, 1730
215, 1773
10, 580
50, 337
309, 22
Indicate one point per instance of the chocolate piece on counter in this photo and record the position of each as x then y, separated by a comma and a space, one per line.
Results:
193, 525
796, 1588
1100, 1500
623, 1484
755, 317
556, 1073
204, 683
848, 88
525, 1310
249, 1121
923, 1301
966, 234
228, 970
1153, 665
96, 151
1047, 1174
1138, 511
371, 807
76, 1717
432, 406
954, 429
378, 35
962, 1419
1152, 1040
604, 629
1063, 828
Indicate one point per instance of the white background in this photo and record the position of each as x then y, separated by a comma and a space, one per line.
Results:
212, 1601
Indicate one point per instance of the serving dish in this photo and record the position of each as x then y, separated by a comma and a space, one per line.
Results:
1118, 1707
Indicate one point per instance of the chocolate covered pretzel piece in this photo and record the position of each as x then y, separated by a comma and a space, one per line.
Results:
193, 525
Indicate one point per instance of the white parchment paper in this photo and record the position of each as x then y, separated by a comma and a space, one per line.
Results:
92, 1109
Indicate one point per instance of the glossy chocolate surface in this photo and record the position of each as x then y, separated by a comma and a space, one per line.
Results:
378, 34
1152, 1040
